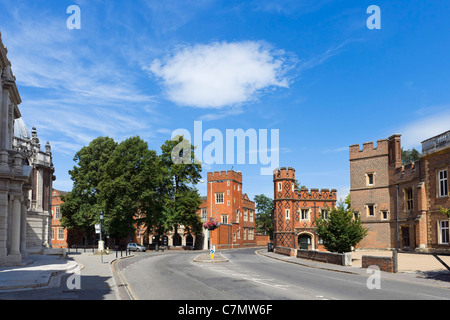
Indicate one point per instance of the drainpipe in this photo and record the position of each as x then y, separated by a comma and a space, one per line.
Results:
395, 253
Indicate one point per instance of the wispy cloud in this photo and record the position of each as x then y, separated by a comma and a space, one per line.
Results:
78, 78
340, 149
413, 133
220, 74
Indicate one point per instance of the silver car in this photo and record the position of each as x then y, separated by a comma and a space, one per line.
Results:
135, 247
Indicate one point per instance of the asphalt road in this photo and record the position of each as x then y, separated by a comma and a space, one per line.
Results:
248, 276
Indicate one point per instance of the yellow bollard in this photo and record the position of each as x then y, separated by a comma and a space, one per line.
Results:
107, 250
212, 256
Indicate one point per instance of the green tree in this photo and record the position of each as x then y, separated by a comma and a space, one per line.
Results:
409, 156
445, 211
180, 198
82, 206
264, 214
129, 186
341, 230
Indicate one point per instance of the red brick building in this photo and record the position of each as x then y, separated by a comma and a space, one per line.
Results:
295, 212
227, 204
59, 234
398, 204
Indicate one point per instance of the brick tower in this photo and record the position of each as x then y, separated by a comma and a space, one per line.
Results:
296, 210
371, 173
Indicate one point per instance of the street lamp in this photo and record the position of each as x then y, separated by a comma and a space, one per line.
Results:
100, 243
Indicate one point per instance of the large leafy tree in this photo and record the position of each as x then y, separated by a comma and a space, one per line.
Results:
129, 186
82, 206
180, 173
264, 214
409, 155
340, 231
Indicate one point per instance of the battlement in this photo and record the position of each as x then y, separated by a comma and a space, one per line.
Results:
225, 175
314, 193
407, 172
284, 173
368, 149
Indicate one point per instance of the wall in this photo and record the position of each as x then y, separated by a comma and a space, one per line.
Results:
384, 263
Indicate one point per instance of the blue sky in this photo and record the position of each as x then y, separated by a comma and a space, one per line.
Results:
311, 69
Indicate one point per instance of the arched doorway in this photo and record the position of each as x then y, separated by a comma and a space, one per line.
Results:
189, 240
304, 242
176, 240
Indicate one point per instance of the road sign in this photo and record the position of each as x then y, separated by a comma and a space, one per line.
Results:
97, 228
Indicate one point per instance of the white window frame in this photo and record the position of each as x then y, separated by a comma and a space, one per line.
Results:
280, 186
368, 175
224, 218
305, 214
324, 213
204, 214
60, 235
57, 213
287, 214
219, 198
368, 210
245, 215
442, 177
444, 232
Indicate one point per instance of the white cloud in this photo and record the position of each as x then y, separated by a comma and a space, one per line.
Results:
417, 131
221, 73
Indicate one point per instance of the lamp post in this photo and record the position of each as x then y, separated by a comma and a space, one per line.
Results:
100, 243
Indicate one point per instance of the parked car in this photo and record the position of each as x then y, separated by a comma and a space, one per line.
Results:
135, 247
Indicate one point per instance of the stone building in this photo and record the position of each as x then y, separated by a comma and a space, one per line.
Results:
397, 203
296, 210
26, 175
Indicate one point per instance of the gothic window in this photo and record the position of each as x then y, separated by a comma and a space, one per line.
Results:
409, 199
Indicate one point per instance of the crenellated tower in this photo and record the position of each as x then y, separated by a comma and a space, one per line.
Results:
296, 210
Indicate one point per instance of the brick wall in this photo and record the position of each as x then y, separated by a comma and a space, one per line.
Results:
384, 263
342, 259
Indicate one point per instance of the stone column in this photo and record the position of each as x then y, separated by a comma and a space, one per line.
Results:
3, 220
4, 105
23, 223
14, 252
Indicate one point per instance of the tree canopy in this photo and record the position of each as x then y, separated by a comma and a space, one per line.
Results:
264, 214
340, 230
132, 185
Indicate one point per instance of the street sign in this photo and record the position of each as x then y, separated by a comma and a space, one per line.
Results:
213, 249
97, 228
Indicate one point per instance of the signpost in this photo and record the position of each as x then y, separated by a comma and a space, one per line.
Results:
213, 249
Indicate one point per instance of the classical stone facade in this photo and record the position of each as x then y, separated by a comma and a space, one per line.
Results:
295, 212
25, 177
39, 216
399, 204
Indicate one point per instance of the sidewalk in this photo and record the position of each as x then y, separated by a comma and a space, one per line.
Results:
421, 268
55, 278
50, 277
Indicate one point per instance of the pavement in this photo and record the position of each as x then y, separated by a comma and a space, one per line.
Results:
84, 276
